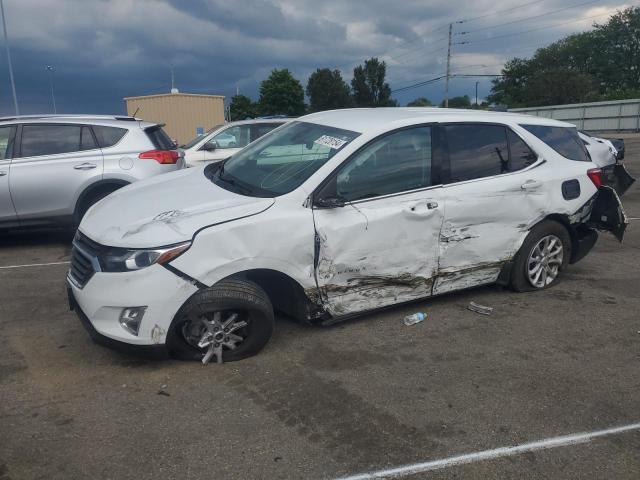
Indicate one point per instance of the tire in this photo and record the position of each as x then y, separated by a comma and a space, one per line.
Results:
243, 298
547, 229
87, 203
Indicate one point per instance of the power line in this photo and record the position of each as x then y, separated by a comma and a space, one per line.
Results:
433, 80
456, 70
419, 84
403, 62
420, 50
501, 11
531, 30
404, 43
528, 18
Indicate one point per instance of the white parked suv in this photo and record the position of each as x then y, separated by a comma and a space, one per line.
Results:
222, 141
332, 215
54, 167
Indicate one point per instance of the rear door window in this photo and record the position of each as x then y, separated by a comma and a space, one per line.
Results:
108, 136
564, 140
87, 142
233, 137
6, 142
521, 156
476, 151
40, 140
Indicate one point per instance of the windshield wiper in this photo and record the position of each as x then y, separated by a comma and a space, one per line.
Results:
231, 181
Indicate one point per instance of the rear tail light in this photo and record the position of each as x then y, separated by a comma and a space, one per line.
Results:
161, 156
595, 174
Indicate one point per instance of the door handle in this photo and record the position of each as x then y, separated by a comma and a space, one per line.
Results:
531, 185
418, 208
85, 166
2, 173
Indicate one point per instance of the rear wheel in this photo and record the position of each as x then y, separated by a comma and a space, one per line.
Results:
229, 321
542, 257
89, 202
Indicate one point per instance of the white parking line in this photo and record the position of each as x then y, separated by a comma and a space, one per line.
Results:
545, 444
34, 265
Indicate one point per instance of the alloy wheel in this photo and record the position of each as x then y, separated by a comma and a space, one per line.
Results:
215, 332
544, 262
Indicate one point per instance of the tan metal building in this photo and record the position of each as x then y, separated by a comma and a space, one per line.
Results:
184, 114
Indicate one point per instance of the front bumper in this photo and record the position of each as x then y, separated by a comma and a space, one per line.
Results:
100, 302
157, 352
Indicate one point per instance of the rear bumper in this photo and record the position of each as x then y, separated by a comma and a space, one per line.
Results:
583, 242
617, 177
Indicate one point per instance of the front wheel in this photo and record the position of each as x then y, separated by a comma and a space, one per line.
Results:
230, 321
544, 254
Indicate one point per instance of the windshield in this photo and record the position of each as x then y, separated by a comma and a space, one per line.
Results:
281, 161
199, 138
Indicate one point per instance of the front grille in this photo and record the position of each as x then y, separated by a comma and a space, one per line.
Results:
84, 259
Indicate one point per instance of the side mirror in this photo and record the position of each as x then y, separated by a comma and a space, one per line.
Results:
210, 146
330, 202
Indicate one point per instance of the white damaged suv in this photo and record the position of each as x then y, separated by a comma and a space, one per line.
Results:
332, 215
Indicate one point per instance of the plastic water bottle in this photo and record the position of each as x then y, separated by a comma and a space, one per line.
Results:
415, 318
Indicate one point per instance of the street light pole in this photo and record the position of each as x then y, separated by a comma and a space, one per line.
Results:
446, 84
53, 97
6, 44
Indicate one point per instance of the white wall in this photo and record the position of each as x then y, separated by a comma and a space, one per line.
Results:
615, 115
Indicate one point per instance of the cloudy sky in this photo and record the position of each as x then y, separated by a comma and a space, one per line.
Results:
104, 50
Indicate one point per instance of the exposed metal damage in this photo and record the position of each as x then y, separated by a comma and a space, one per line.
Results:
349, 283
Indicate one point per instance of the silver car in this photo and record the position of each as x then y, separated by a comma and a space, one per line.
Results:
53, 168
222, 141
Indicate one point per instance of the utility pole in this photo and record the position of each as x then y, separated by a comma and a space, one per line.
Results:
6, 44
53, 97
446, 83
477, 94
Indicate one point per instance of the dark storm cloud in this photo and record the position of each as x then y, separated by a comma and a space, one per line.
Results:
104, 50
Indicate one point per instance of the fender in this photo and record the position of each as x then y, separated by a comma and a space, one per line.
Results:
94, 187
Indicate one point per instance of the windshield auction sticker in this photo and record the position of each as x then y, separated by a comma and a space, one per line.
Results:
331, 142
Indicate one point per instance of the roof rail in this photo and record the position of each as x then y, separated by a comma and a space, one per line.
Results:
70, 115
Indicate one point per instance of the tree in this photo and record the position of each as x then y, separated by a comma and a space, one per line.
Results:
601, 64
420, 102
458, 102
368, 85
281, 94
562, 86
241, 108
327, 90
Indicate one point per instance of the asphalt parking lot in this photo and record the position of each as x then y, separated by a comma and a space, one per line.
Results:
333, 402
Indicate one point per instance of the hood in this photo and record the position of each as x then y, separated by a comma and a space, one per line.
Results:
165, 209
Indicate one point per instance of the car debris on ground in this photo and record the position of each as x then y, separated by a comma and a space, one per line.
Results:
481, 309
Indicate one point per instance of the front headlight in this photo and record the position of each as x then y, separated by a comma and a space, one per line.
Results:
126, 260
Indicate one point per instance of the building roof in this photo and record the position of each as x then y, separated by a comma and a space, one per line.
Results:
369, 119
174, 95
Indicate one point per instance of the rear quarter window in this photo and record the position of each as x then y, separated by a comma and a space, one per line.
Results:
108, 136
159, 138
564, 140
